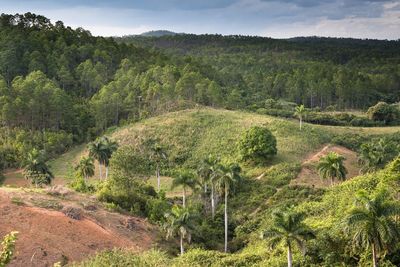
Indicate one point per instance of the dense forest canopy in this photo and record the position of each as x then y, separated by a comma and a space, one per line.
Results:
350, 73
54, 78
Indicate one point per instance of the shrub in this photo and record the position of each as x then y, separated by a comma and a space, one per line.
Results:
257, 143
7, 245
384, 112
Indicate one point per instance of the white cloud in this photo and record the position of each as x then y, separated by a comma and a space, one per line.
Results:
387, 26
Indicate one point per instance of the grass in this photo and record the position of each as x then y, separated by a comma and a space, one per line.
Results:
190, 135
64, 164
47, 204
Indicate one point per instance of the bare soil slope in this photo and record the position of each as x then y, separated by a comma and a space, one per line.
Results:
47, 235
309, 173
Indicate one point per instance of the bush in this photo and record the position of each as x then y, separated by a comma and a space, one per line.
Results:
257, 143
384, 112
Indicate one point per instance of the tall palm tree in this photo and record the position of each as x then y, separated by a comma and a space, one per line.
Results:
36, 169
288, 228
332, 167
185, 179
226, 183
300, 112
97, 151
372, 222
85, 167
159, 155
178, 221
109, 148
215, 169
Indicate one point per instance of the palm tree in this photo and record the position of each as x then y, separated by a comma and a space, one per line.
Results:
300, 112
36, 169
159, 155
373, 224
185, 179
332, 166
375, 155
109, 148
226, 182
288, 228
85, 167
178, 221
97, 151
215, 174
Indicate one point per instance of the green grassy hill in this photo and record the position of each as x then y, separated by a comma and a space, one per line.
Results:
190, 135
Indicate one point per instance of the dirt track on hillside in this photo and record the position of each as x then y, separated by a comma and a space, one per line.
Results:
48, 236
309, 174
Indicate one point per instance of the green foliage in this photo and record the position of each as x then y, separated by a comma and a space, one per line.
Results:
129, 194
332, 167
257, 143
7, 248
121, 258
375, 154
372, 223
36, 169
85, 167
384, 112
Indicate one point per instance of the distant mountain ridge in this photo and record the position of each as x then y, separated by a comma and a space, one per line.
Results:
158, 33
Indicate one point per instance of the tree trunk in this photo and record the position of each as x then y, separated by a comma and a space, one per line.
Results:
158, 177
184, 197
331, 181
182, 249
106, 172
301, 122
101, 175
374, 258
289, 256
226, 219
212, 202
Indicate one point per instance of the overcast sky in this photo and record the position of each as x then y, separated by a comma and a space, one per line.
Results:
377, 19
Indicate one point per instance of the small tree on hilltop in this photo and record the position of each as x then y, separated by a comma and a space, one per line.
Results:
257, 143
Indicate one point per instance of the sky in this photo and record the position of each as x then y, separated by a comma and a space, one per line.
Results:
374, 19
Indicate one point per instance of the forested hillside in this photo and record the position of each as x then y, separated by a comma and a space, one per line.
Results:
349, 73
198, 144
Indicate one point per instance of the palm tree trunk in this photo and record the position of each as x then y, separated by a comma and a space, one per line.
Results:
331, 181
212, 201
374, 258
184, 197
158, 177
226, 219
106, 172
289, 256
101, 175
182, 249
301, 122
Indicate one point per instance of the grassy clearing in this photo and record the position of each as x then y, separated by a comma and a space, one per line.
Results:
190, 135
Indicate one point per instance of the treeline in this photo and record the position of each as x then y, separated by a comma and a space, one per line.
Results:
320, 72
57, 79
